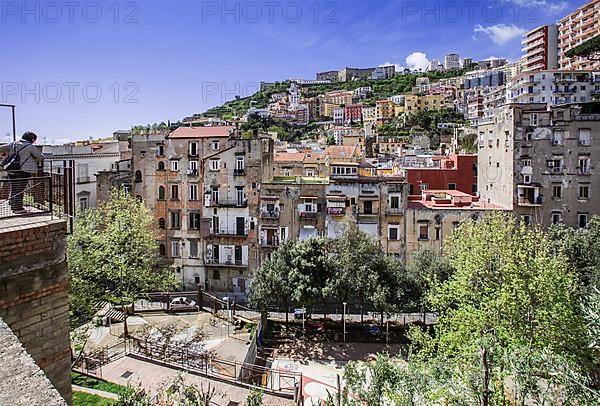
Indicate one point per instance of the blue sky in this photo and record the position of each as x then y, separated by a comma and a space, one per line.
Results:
157, 60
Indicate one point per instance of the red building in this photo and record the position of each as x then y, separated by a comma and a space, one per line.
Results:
454, 172
353, 112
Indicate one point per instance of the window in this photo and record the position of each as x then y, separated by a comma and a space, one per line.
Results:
393, 233
239, 163
557, 137
526, 218
216, 274
533, 119
582, 219
194, 221
161, 150
215, 195
240, 196
423, 231
193, 195
161, 193
214, 145
193, 248
525, 162
394, 202
423, 186
287, 172
174, 192
83, 203
214, 164
161, 223
310, 173
193, 168
161, 166
174, 165
527, 179
451, 186
584, 191
438, 233
175, 249
584, 136
584, 166
162, 250
175, 218
556, 191
83, 175
193, 148
556, 217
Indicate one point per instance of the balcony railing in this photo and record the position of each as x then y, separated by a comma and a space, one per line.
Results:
192, 172
307, 214
394, 211
225, 262
228, 203
239, 172
269, 214
336, 211
269, 242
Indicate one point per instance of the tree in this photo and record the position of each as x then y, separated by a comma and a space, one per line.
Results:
296, 273
113, 256
255, 397
509, 292
361, 271
175, 393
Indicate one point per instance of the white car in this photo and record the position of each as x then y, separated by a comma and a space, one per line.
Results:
182, 303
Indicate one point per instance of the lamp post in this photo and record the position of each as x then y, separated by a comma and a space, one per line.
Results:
226, 299
344, 319
303, 315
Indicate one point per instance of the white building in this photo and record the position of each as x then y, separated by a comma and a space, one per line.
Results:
89, 159
551, 86
452, 62
362, 92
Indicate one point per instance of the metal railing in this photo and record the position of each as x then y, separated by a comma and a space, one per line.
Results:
50, 192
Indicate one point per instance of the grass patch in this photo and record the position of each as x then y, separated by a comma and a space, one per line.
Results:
99, 384
87, 399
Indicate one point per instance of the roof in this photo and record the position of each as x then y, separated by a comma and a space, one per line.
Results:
289, 157
202, 132
314, 157
340, 151
449, 199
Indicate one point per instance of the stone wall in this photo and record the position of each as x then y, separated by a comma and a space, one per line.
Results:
34, 293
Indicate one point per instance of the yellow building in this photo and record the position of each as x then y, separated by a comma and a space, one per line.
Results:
424, 102
384, 111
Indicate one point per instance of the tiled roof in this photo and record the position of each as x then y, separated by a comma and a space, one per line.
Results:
289, 156
202, 132
340, 151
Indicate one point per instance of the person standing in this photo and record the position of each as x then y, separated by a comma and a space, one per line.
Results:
29, 156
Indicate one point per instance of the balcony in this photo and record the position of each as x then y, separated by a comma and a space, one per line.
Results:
336, 211
564, 91
226, 203
192, 172
269, 214
239, 172
228, 233
269, 242
307, 215
225, 262
394, 211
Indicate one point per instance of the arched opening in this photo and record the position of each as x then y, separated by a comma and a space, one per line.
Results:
161, 193
161, 223
161, 166
162, 250
138, 176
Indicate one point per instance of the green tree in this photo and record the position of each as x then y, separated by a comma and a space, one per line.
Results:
509, 292
113, 256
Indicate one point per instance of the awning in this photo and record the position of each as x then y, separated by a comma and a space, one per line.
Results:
269, 197
368, 197
336, 197
309, 197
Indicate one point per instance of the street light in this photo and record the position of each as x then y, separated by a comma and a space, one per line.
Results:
303, 315
226, 299
344, 318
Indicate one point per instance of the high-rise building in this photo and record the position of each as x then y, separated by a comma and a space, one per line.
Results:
574, 29
552, 87
540, 48
452, 62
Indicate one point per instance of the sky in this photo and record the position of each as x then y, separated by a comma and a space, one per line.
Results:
81, 69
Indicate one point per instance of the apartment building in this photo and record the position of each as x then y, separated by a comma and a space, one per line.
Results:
432, 216
353, 113
424, 102
288, 163
475, 108
201, 184
540, 48
574, 29
329, 101
452, 62
551, 86
541, 163
384, 111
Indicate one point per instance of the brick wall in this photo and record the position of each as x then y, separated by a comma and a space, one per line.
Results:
34, 294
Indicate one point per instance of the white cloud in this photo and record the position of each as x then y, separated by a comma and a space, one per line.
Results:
501, 33
417, 60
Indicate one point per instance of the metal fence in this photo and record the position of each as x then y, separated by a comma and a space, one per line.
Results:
51, 191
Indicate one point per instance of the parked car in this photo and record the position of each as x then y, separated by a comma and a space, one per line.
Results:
315, 327
372, 330
301, 313
182, 303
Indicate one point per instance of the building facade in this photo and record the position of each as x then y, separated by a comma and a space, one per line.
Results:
541, 163
579, 26
540, 48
